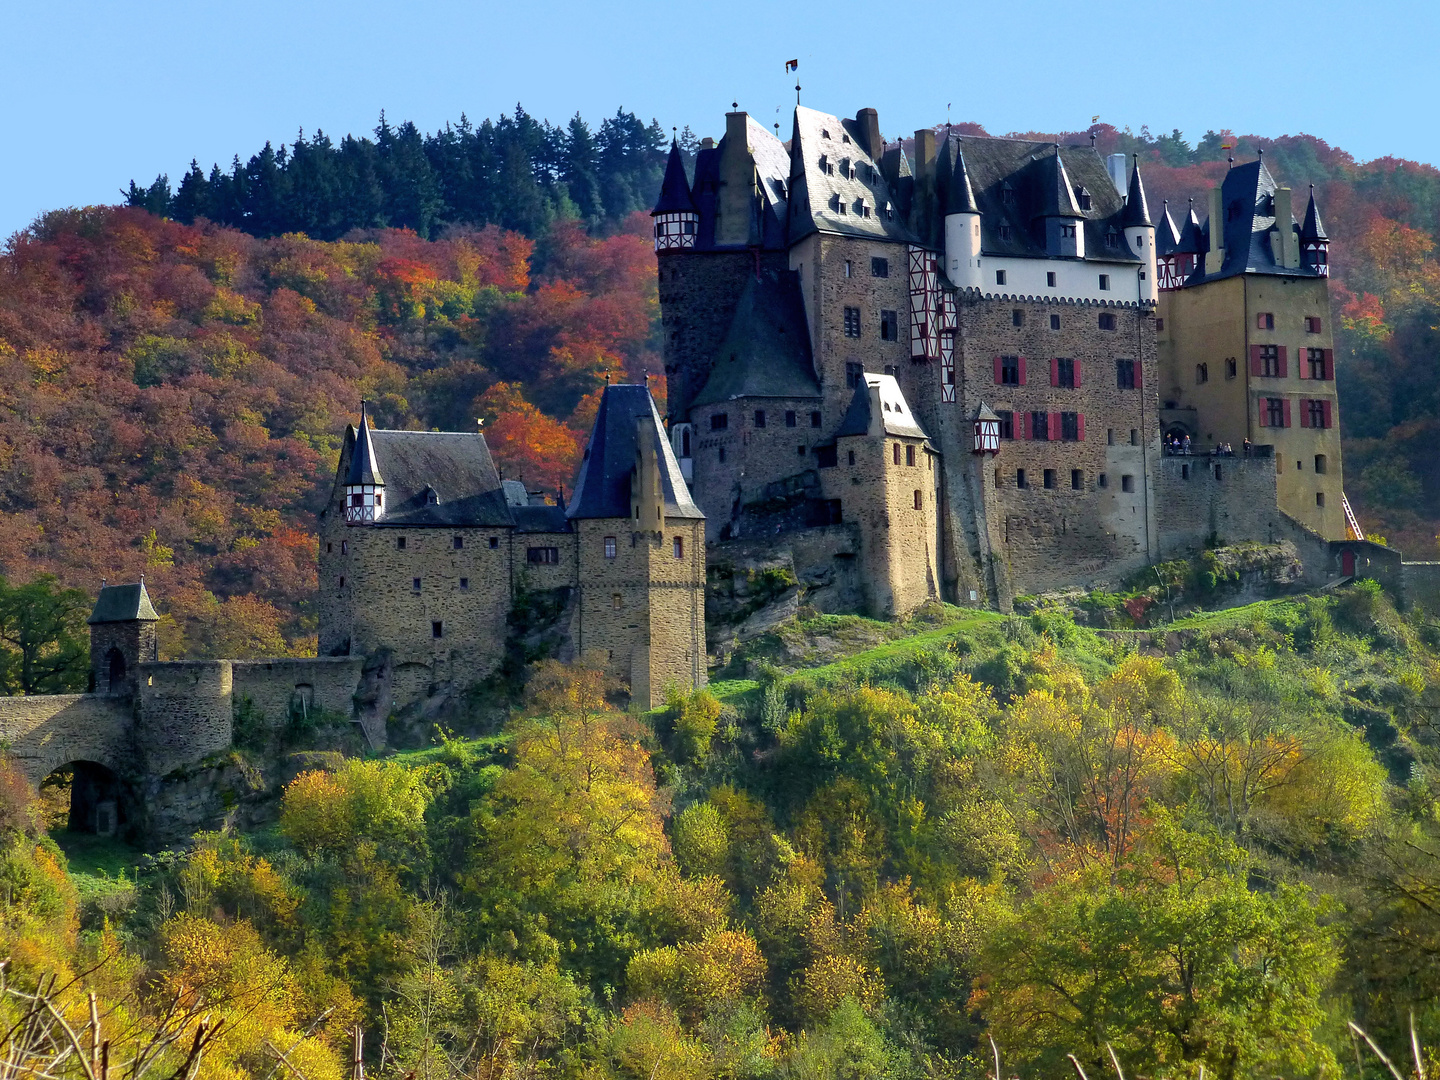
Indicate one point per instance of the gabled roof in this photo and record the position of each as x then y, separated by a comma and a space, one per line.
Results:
675, 188
1057, 196
958, 196
1137, 211
766, 351
818, 193
1314, 228
363, 468
123, 603
455, 465
1247, 205
879, 408
602, 486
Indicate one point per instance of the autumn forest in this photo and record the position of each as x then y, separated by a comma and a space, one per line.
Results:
869, 850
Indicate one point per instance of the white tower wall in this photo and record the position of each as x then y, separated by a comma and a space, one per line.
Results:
962, 250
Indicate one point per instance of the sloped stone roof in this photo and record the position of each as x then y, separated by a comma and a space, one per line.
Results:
602, 488
123, 603
766, 351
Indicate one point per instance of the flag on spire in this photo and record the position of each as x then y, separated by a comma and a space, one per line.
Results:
792, 65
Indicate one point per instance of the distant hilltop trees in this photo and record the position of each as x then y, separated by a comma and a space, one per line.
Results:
515, 172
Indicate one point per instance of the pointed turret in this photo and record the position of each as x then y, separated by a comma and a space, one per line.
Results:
677, 219
1064, 220
1167, 234
1314, 241
962, 217
364, 486
1137, 211
959, 196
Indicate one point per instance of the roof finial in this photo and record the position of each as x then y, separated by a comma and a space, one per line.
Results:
1261, 151
797, 92
734, 106
1092, 140
102, 583
1231, 160
607, 376
363, 403
142, 577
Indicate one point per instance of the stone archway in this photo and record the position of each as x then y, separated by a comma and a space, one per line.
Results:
98, 800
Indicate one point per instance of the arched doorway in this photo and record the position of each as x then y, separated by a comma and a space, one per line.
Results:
84, 797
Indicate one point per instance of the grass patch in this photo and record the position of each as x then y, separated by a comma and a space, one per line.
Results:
485, 746
96, 856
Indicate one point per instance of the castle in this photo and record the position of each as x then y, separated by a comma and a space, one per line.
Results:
970, 370
967, 365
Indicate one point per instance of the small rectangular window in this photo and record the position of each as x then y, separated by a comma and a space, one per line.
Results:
1054, 322
854, 374
437, 629
917, 499
464, 584
1312, 324
910, 455
1110, 436
1009, 371
1007, 423
344, 547
678, 547
1019, 478
1202, 373
1127, 482
1002, 232
759, 418
815, 418
852, 322
1104, 282
889, 325
1320, 498
1070, 426
1103, 480
1077, 480
789, 417
459, 542
1270, 361
1159, 325
1107, 321
615, 601
879, 267
1049, 479
850, 457
494, 541
1274, 412
543, 556
847, 261
1315, 360
719, 421
1134, 437
415, 584
1017, 317
1040, 426
895, 453
1320, 463
1065, 372
799, 451
610, 547
999, 277
1050, 278
1231, 367
400, 543
1125, 374
1317, 413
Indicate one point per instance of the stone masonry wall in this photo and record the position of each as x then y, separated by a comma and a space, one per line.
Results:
45, 732
274, 687
184, 713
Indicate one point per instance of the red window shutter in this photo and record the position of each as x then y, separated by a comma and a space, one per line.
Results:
1286, 407
1023, 419
1022, 371
1077, 373
1284, 362
1326, 405
1304, 412
1264, 414
1053, 428
997, 371
1255, 363
1302, 362
1260, 322
1054, 371
1080, 426
1329, 363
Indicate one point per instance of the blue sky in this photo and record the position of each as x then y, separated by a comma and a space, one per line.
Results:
96, 93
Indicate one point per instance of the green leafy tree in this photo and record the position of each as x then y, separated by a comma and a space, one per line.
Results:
43, 646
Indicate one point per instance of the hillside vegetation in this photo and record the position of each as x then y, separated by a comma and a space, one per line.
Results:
1206, 848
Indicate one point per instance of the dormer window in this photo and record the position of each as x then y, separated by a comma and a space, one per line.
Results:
1007, 194
1004, 232
844, 138
1082, 196
825, 133
432, 497
1067, 231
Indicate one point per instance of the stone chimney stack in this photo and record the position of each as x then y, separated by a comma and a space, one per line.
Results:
868, 121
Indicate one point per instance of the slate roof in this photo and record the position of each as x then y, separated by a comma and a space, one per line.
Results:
540, 519
879, 408
602, 488
1137, 210
1167, 234
766, 351
363, 467
455, 465
1194, 238
1247, 203
1032, 174
817, 193
1314, 228
675, 188
958, 196
772, 165
123, 603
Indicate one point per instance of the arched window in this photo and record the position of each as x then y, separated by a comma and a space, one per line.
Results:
115, 663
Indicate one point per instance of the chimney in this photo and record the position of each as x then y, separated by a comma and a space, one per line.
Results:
1287, 247
1216, 255
734, 214
924, 152
868, 123
1115, 166
707, 143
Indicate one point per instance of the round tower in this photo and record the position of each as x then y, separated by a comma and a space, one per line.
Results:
676, 218
1140, 234
962, 219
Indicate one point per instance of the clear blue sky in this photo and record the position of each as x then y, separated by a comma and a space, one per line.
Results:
97, 93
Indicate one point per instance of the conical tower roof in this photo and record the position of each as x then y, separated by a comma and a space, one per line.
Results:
363, 469
1194, 239
958, 195
1167, 233
675, 197
1314, 228
1137, 212
1057, 196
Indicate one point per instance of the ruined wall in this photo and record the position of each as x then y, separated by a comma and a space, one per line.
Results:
1420, 585
45, 732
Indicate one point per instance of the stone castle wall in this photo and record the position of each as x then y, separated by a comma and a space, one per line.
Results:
45, 732
276, 688
183, 713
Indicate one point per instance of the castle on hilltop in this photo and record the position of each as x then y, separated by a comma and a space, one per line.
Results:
981, 368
